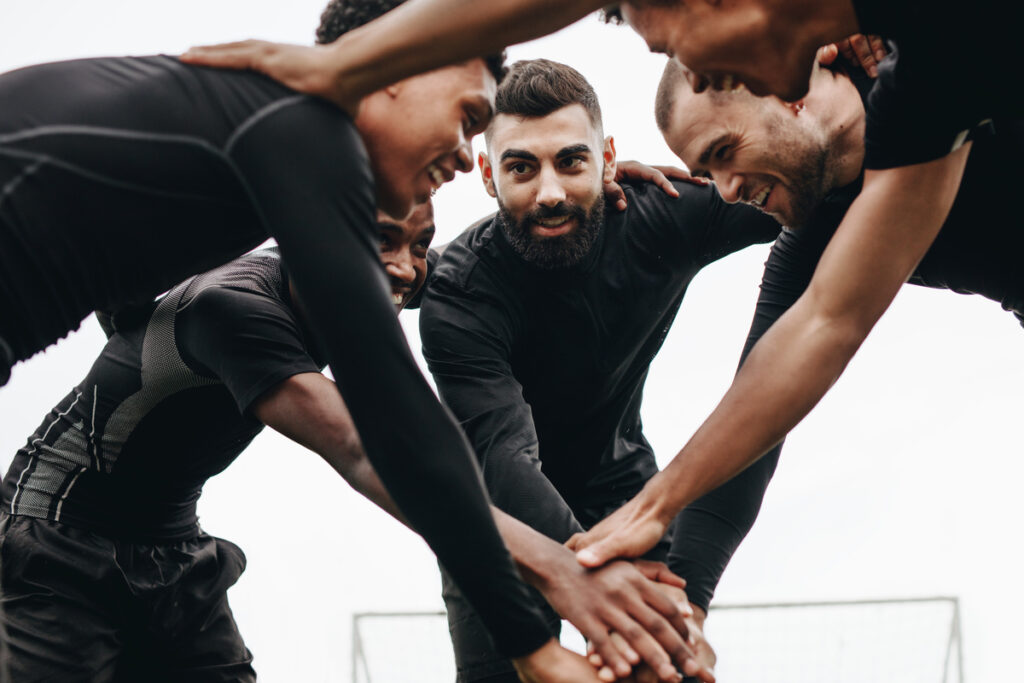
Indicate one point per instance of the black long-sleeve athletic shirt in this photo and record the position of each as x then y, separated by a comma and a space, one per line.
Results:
164, 407
976, 252
120, 177
545, 369
954, 66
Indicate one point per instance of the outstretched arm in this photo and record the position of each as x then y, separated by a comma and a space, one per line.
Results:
308, 409
884, 235
416, 37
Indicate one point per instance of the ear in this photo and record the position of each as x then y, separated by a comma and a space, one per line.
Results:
609, 159
486, 173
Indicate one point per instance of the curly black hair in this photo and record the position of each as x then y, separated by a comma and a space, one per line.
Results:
341, 16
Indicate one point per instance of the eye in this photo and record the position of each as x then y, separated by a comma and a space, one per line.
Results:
572, 162
519, 168
723, 151
385, 242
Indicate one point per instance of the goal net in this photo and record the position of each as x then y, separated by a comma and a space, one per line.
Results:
909, 640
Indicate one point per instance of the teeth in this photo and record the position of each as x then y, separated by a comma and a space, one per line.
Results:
436, 175
758, 199
396, 299
552, 222
731, 84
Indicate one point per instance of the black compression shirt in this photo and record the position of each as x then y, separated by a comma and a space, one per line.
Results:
545, 369
975, 253
144, 171
954, 67
164, 407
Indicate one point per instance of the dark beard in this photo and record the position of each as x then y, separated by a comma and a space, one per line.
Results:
561, 251
808, 188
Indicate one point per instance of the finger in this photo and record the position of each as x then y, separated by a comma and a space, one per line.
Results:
243, 55
606, 674
864, 56
601, 552
644, 644
659, 179
674, 172
573, 541
672, 633
878, 47
828, 54
659, 571
615, 195
846, 50
695, 670
616, 660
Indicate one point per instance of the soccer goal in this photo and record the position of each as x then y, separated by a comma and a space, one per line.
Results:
915, 640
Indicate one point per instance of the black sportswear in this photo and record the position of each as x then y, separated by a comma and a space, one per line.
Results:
545, 369
144, 171
973, 254
952, 69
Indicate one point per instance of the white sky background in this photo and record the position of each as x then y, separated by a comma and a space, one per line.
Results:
904, 482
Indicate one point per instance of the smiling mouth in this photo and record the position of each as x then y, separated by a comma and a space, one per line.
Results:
437, 175
761, 198
554, 226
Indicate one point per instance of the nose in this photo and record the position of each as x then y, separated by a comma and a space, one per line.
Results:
400, 267
550, 192
730, 185
464, 156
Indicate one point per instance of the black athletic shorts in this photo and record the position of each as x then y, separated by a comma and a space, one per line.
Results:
83, 608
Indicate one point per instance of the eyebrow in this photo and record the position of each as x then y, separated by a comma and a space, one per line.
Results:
530, 156
573, 149
518, 154
705, 156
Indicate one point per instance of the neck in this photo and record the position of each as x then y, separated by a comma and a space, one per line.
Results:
838, 106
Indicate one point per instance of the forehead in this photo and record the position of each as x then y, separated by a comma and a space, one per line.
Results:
541, 135
421, 218
471, 79
698, 120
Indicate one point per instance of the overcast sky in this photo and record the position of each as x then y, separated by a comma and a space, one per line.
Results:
904, 482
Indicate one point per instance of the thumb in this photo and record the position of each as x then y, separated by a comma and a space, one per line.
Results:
595, 555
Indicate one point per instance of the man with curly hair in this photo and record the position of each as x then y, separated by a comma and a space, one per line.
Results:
146, 170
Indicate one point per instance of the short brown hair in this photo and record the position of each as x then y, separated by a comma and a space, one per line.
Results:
538, 87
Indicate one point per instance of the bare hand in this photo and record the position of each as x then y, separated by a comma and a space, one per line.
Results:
625, 599
628, 532
859, 50
701, 665
661, 176
554, 664
307, 69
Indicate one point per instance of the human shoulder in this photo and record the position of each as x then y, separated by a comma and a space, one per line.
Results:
471, 261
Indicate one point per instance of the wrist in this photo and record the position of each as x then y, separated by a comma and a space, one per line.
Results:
654, 500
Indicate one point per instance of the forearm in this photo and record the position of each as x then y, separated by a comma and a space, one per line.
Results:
883, 237
410, 40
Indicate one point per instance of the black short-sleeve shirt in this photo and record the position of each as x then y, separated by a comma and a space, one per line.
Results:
164, 407
953, 69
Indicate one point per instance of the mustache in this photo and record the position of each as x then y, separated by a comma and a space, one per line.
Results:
559, 209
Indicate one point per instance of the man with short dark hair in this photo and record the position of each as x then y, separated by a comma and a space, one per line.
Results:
144, 171
802, 163
539, 324
106, 574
